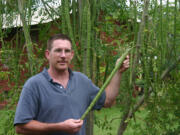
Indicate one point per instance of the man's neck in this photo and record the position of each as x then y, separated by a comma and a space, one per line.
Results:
59, 75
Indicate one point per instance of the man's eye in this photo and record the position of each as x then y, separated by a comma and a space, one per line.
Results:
58, 50
67, 51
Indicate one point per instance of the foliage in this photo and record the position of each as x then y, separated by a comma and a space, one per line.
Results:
101, 30
14, 60
6, 122
163, 115
106, 121
156, 56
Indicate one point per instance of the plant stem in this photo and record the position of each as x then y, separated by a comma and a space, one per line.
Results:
29, 44
175, 23
70, 31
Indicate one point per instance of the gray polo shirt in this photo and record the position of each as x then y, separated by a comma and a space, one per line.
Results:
47, 101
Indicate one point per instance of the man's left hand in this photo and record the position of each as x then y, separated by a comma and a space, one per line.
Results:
125, 64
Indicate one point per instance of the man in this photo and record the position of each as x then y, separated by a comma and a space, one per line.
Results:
53, 101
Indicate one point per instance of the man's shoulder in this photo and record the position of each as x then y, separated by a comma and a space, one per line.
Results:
81, 77
36, 79
79, 74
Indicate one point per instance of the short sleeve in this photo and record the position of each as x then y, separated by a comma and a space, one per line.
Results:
27, 107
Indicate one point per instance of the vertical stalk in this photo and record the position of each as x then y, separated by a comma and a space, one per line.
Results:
94, 11
166, 31
90, 126
25, 26
88, 37
155, 11
161, 34
140, 39
85, 50
97, 61
29, 44
83, 40
29, 15
175, 22
63, 25
156, 37
106, 69
94, 16
161, 22
74, 16
135, 21
135, 41
90, 123
145, 56
68, 22
80, 9
1, 23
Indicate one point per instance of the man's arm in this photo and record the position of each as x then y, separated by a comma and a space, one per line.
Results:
37, 128
112, 89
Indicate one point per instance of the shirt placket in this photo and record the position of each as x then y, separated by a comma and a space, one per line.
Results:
61, 88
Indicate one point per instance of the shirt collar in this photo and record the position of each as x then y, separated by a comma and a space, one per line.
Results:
48, 77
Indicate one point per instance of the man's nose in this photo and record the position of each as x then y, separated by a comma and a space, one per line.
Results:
63, 54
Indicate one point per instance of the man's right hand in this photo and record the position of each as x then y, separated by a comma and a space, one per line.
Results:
72, 125
39, 128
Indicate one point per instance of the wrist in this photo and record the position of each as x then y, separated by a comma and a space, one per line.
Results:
54, 127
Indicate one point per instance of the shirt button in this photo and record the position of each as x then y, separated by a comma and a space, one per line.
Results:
61, 87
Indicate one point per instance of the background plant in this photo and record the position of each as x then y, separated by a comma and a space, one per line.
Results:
101, 30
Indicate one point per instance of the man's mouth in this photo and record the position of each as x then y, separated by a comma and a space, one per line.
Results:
62, 62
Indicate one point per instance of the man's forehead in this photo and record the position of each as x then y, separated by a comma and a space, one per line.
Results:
63, 43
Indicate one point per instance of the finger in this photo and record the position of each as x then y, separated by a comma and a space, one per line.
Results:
79, 126
76, 120
78, 123
125, 62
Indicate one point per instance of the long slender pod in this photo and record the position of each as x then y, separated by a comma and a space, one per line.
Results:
106, 83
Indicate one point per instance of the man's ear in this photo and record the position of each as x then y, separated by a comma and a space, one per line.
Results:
47, 54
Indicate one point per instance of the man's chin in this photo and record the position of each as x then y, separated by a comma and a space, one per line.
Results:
62, 68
